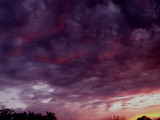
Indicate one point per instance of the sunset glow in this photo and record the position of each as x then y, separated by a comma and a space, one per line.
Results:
151, 115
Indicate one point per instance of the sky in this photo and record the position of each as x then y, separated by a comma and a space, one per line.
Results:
82, 59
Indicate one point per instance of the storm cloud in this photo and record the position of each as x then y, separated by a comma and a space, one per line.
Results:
84, 50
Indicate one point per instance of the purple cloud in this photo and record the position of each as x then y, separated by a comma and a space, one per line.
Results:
83, 50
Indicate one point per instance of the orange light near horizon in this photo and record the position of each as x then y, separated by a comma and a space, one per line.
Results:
137, 105
150, 115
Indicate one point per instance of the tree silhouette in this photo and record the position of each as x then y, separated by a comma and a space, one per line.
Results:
8, 114
51, 116
20, 116
143, 118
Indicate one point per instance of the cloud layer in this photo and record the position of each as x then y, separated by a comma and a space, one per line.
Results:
82, 50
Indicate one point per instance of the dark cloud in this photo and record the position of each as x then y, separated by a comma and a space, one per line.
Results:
13, 14
94, 3
139, 14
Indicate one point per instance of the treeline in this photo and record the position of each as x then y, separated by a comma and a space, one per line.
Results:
8, 114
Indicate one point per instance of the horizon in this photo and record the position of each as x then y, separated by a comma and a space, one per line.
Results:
12, 112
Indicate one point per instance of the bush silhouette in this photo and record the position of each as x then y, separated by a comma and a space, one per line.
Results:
143, 118
8, 114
